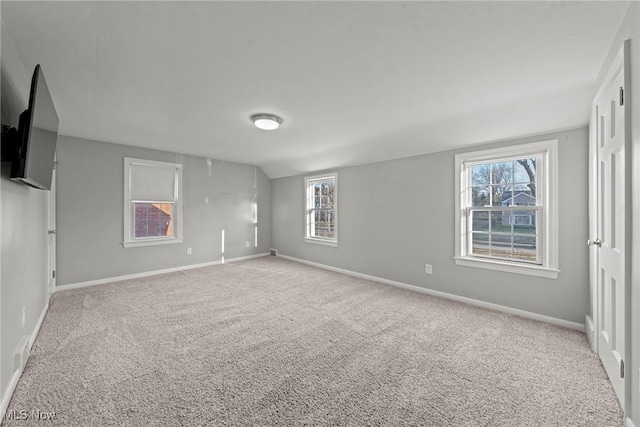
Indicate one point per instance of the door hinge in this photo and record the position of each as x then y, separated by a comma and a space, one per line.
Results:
53, 274
621, 368
621, 96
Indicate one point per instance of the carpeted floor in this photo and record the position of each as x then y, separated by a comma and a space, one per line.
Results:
270, 342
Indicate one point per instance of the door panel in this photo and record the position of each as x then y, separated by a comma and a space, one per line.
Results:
611, 225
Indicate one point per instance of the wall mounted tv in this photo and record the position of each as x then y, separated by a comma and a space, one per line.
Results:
31, 149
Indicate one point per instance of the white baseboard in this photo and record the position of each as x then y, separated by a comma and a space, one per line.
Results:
16, 375
36, 330
9, 394
509, 310
153, 273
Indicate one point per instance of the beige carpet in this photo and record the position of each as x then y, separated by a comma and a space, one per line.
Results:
270, 342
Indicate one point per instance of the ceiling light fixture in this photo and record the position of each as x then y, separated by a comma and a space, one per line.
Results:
266, 121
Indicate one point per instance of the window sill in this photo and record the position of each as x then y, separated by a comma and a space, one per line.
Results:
509, 267
321, 242
152, 242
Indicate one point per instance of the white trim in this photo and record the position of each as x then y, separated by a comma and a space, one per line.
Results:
629, 423
547, 182
36, 330
509, 267
152, 242
10, 389
320, 241
18, 373
491, 306
128, 240
590, 331
154, 273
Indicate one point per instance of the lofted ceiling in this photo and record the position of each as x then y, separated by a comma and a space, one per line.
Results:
355, 82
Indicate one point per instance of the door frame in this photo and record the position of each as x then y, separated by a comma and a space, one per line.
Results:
622, 63
51, 234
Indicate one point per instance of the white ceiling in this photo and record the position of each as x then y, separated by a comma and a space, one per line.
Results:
355, 82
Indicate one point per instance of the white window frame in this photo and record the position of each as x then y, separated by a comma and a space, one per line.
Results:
129, 205
547, 181
308, 210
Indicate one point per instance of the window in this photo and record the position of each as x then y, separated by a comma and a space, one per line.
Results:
506, 211
152, 205
321, 209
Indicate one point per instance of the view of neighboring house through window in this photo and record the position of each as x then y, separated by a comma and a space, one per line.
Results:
152, 202
153, 219
321, 209
506, 215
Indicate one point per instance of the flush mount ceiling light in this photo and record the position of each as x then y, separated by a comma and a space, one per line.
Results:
266, 121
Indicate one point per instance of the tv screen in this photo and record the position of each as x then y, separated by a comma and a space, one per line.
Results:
38, 134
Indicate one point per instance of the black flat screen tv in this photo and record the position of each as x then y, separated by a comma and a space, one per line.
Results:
37, 137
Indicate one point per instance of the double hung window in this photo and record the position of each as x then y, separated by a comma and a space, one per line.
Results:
321, 209
507, 209
153, 204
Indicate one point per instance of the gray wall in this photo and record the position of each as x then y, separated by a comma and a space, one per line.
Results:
217, 196
23, 230
396, 216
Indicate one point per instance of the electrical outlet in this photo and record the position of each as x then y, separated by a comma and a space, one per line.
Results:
24, 315
248, 243
428, 268
189, 251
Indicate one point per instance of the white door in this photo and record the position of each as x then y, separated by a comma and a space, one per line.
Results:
51, 234
611, 244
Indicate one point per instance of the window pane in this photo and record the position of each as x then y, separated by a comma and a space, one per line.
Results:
153, 220
524, 170
480, 221
525, 248
524, 222
501, 173
323, 223
501, 245
323, 194
523, 195
328, 193
480, 244
499, 193
481, 174
492, 182
510, 235
498, 173
501, 221
507, 196
480, 195
316, 194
